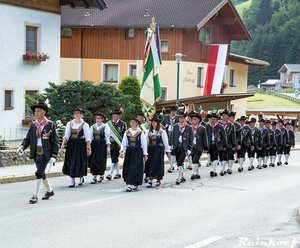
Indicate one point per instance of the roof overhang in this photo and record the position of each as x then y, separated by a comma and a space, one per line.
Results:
245, 36
204, 99
99, 4
247, 60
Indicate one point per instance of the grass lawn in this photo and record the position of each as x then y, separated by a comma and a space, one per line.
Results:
242, 6
268, 101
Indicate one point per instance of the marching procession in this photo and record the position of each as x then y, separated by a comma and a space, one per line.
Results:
183, 137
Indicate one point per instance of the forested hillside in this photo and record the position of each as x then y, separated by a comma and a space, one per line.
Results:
275, 28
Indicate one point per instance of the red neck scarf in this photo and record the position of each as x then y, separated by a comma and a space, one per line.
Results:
39, 126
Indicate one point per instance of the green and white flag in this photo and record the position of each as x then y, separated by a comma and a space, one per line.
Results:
150, 90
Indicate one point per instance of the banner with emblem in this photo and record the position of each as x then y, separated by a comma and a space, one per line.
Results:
150, 89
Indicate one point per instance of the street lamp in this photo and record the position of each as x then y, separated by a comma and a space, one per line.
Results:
178, 59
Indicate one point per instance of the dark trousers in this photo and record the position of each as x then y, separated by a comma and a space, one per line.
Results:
251, 154
272, 151
213, 152
114, 152
280, 150
230, 154
196, 155
180, 156
41, 164
242, 152
224, 154
287, 150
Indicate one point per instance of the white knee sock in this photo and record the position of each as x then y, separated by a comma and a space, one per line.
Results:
279, 158
72, 180
241, 161
195, 169
47, 185
287, 156
230, 164
190, 161
223, 165
180, 171
251, 161
112, 168
118, 168
273, 159
37, 187
172, 160
215, 165
259, 161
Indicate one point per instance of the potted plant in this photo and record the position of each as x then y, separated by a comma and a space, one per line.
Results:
35, 56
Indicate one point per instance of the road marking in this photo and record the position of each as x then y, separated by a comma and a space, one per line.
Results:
205, 242
96, 201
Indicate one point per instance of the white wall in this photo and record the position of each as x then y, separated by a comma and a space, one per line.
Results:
296, 81
18, 75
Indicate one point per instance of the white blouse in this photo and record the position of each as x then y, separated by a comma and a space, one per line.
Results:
86, 129
143, 141
164, 137
106, 132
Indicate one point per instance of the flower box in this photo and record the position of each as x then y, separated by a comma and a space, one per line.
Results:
35, 56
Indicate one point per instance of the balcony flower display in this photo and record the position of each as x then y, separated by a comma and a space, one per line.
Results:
35, 56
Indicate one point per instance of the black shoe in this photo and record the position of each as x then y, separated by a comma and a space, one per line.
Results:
189, 167
252, 167
236, 161
101, 179
193, 177
118, 176
215, 174
222, 173
146, 180
48, 195
81, 181
177, 181
249, 168
149, 185
108, 177
197, 176
272, 165
212, 174
170, 170
286, 163
182, 179
135, 188
240, 169
33, 199
258, 167
128, 189
94, 181
72, 185
158, 183
264, 166
278, 163
229, 171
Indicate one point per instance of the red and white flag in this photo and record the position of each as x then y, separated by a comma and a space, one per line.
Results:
215, 69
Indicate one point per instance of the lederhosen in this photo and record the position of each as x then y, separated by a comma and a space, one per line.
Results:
75, 164
287, 149
133, 166
98, 158
215, 137
114, 147
264, 152
285, 140
179, 151
228, 154
156, 151
256, 138
172, 122
246, 141
196, 152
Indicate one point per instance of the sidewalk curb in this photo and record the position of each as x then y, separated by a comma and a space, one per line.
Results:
24, 178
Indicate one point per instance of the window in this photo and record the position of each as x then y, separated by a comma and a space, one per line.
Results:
66, 32
111, 73
8, 99
163, 94
31, 38
232, 78
206, 35
164, 46
132, 70
200, 81
131, 33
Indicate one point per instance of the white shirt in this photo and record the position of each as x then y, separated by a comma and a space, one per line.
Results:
86, 129
164, 137
143, 141
106, 132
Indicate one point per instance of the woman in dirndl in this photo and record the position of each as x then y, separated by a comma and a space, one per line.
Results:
158, 145
100, 136
77, 137
134, 146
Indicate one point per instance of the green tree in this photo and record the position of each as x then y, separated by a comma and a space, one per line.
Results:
131, 87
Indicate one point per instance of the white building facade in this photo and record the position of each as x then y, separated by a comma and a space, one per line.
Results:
25, 30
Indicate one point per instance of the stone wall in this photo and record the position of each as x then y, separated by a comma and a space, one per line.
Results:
10, 157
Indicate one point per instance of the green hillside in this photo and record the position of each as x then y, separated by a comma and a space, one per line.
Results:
242, 7
262, 101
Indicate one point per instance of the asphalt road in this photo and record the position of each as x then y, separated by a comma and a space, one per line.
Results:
248, 209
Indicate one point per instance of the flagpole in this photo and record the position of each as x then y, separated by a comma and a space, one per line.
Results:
178, 58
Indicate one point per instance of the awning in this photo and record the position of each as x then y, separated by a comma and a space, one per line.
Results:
204, 99
100, 4
247, 60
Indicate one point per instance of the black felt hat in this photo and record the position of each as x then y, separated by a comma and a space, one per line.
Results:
243, 118
116, 112
134, 118
181, 114
197, 115
79, 110
252, 120
232, 114
99, 114
40, 105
